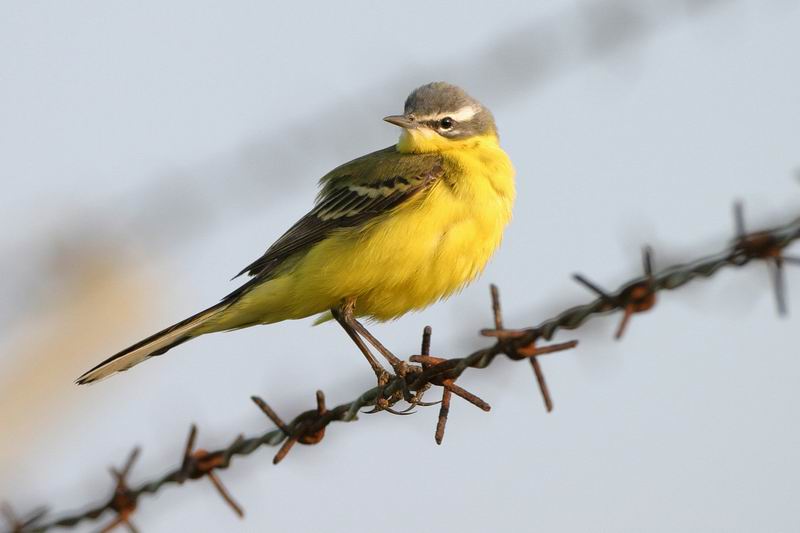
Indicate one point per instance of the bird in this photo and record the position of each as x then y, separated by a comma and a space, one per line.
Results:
390, 232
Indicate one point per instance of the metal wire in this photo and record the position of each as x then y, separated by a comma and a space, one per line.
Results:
635, 296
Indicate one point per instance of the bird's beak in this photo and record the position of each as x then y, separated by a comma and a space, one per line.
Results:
400, 120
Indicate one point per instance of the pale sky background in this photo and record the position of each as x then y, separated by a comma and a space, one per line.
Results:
150, 151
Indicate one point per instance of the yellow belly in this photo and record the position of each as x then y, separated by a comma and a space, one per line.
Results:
425, 250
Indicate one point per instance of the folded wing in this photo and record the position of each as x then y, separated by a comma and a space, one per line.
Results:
352, 195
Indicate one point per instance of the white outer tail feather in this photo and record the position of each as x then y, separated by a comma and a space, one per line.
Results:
154, 345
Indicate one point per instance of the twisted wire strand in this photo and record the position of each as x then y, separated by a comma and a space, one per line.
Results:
762, 245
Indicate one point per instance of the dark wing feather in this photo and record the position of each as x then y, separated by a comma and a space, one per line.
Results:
352, 195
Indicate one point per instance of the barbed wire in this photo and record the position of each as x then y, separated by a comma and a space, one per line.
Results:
425, 371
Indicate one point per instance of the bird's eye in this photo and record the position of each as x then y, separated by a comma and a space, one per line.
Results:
446, 123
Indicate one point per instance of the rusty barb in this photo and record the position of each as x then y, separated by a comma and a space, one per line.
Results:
448, 384
636, 297
123, 500
308, 428
766, 246
425, 371
18, 524
198, 463
525, 348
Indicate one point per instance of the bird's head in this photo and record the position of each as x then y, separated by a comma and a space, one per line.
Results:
439, 116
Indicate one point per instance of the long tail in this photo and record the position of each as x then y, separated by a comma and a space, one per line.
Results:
154, 345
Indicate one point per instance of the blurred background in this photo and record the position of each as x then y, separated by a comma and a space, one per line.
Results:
149, 151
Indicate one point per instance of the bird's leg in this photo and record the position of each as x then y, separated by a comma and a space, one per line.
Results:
400, 367
344, 316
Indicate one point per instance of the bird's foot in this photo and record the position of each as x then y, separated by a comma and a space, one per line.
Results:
383, 376
385, 402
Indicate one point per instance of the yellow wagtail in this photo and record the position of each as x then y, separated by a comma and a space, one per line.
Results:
392, 231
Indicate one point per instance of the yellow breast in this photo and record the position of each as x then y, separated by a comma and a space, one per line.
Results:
425, 250
432, 246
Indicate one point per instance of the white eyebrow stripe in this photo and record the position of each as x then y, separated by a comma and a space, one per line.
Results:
464, 114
